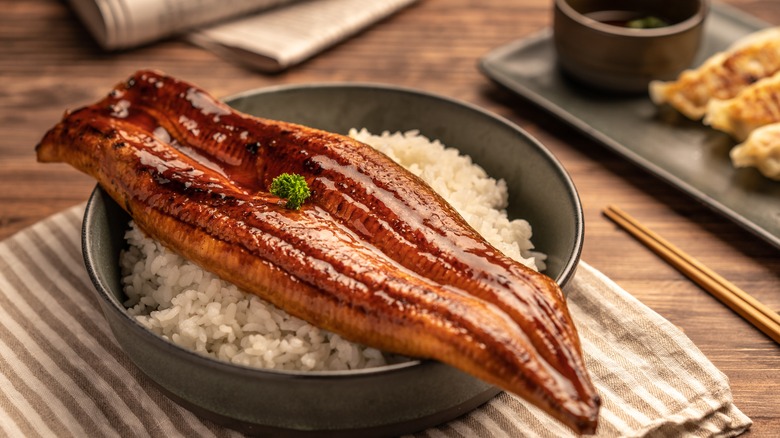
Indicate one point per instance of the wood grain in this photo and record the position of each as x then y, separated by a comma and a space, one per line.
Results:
49, 63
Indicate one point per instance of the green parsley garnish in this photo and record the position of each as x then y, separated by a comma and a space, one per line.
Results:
291, 187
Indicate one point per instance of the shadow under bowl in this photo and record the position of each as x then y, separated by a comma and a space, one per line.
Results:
384, 401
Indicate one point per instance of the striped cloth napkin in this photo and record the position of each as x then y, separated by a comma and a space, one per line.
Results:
63, 374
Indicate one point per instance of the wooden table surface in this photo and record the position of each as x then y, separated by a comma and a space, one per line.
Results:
48, 63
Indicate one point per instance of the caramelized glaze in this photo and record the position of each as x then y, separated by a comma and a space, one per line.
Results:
374, 254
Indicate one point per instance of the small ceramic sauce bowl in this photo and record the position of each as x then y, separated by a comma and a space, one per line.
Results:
621, 46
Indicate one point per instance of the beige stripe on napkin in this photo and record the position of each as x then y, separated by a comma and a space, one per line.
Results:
63, 374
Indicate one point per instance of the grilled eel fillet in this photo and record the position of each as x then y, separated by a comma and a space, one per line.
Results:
374, 255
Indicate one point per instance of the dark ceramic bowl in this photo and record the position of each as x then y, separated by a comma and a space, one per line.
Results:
389, 400
595, 47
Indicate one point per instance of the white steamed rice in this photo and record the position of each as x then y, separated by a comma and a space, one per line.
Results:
196, 310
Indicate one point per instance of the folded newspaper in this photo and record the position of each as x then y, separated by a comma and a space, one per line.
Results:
268, 35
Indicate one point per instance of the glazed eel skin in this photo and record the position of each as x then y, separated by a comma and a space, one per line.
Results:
374, 255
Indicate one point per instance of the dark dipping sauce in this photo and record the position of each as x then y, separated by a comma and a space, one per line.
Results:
630, 19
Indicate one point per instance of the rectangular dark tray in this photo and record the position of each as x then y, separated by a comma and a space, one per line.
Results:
682, 152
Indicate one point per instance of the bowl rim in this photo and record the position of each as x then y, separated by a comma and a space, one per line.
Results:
689, 23
103, 289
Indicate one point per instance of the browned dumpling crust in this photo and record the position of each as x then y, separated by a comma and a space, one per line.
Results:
723, 75
755, 106
761, 150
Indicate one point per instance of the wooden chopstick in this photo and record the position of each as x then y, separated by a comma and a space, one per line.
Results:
758, 314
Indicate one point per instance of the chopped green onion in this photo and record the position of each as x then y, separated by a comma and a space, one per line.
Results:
649, 22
